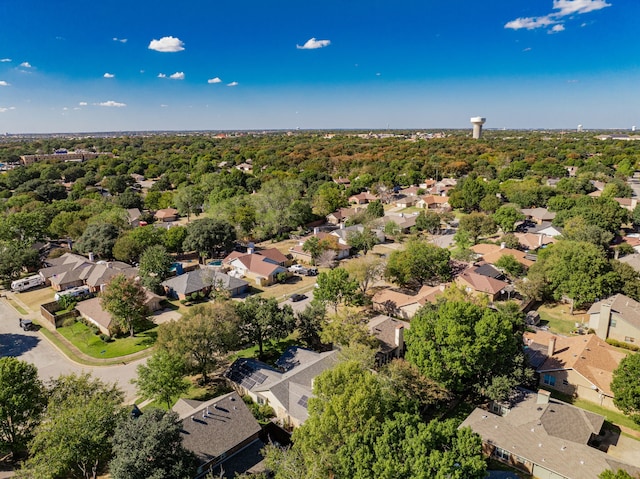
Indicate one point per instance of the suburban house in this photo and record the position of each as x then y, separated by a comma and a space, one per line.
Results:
404, 221
543, 437
632, 260
403, 305
485, 269
363, 198
538, 215
434, 202
219, 429
490, 253
547, 229
343, 233
480, 285
286, 387
627, 203
133, 216
410, 191
390, 335
166, 215
71, 270
202, 280
632, 240
406, 202
617, 317
91, 310
261, 266
298, 253
579, 366
534, 241
341, 215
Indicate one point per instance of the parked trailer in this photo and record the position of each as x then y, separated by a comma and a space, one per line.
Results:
73, 292
27, 283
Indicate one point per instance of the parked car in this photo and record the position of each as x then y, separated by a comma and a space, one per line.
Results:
26, 324
312, 272
297, 269
297, 297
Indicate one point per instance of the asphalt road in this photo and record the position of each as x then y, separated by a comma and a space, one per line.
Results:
33, 347
299, 305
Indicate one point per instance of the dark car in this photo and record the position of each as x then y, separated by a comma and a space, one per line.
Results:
26, 324
312, 272
297, 297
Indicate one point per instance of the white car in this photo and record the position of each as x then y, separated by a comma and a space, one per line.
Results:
297, 268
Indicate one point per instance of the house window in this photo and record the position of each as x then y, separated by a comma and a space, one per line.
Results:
629, 339
565, 382
612, 323
260, 400
549, 380
502, 454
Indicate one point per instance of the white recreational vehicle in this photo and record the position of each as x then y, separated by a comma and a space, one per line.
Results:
73, 292
27, 283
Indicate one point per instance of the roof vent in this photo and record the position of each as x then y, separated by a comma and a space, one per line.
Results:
193, 418
563, 448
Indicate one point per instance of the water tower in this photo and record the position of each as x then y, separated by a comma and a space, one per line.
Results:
477, 122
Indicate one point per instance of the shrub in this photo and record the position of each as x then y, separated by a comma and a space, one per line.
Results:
622, 344
105, 338
68, 322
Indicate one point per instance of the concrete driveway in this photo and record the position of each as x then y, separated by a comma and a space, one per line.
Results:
298, 306
33, 347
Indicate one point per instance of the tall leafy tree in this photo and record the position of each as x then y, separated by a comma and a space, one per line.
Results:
418, 264
22, 402
154, 266
309, 323
477, 224
463, 346
98, 238
150, 446
124, 298
506, 217
626, 386
209, 237
202, 336
336, 287
366, 271
74, 437
189, 200
262, 319
363, 240
162, 377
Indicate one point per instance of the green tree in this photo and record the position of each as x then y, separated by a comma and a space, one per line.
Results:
626, 386
262, 319
365, 270
335, 287
98, 238
349, 328
154, 266
468, 194
619, 474
174, 238
24, 226
130, 245
463, 346
150, 446
428, 221
162, 377
202, 336
74, 437
209, 237
310, 322
328, 198
189, 200
506, 217
124, 298
510, 265
314, 247
490, 204
14, 258
375, 209
22, 400
418, 264
363, 240
477, 224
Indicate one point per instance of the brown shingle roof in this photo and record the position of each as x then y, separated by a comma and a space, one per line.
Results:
481, 283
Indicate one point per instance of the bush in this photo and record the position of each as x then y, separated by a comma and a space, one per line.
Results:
105, 338
622, 344
68, 322
263, 413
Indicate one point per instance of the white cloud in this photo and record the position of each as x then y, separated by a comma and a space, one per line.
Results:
167, 44
312, 44
233, 83
5, 60
214, 80
4, 83
177, 76
109, 75
5, 109
528, 49
25, 65
565, 8
163, 105
121, 40
83, 103
112, 103
162, 75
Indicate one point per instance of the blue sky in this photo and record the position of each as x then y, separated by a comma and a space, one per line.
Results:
115, 65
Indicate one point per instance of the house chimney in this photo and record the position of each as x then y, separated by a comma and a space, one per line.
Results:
552, 346
399, 339
250, 250
342, 225
540, 238
316, 230
91, 257
543, 397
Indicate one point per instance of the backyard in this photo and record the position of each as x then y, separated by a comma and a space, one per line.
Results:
559, 320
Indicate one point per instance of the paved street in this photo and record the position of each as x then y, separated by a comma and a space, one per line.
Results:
299, 305
33, 347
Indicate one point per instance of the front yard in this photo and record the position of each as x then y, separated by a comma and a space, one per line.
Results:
83, 338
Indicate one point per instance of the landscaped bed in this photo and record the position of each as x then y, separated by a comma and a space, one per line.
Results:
84, 338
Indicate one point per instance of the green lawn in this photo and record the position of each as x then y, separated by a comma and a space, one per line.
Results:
197, 392
89, 343
272, 350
